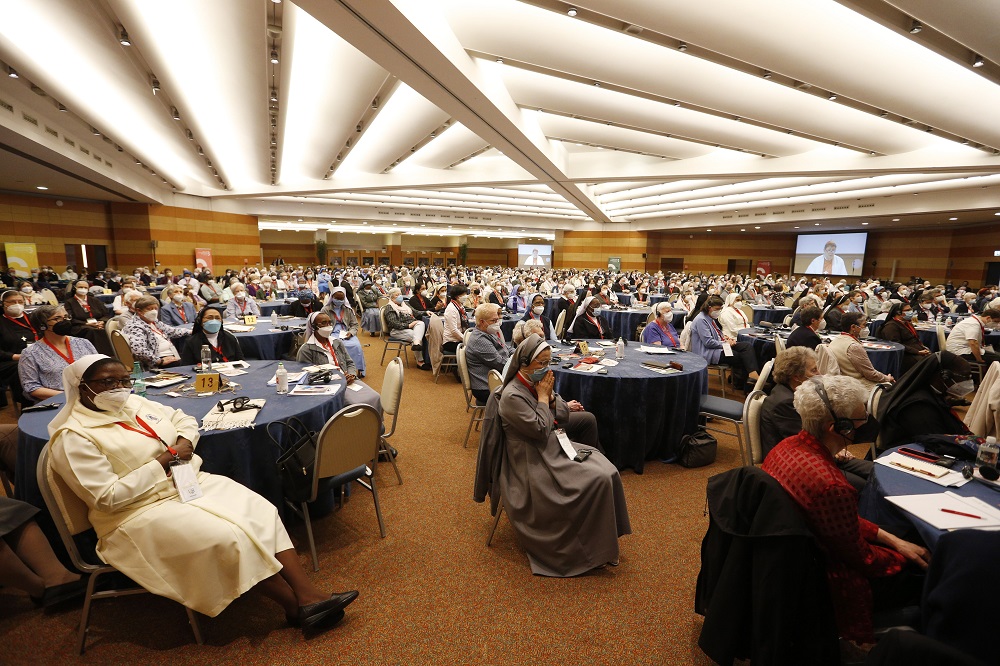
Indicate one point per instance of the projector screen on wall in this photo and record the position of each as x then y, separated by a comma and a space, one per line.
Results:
534, 255
830, 254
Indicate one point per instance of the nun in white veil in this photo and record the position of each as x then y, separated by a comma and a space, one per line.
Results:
567, 514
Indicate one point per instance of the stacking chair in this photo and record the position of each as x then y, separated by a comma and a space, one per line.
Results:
447, 361
122, 350
787, 321
722, 372
494, 379
560, 324
110, 326
779, 345
344, 448
496, 521
751, 425
763, 376
941, 337
478, 411
873, 402
730, 411
748, 312
467, 335
392, 392
825, 361
399, 346
69, 514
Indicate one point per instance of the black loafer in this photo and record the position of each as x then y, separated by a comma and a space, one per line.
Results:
314, 614
61, 593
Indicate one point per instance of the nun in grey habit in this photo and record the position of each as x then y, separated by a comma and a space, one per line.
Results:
568, 515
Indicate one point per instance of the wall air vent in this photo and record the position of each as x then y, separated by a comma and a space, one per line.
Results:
29, 119
841, 207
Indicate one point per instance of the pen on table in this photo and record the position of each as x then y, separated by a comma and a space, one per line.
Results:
959, 513
913, 469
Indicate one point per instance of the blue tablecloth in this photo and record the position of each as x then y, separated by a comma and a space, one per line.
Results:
245, 455
887, 482
624, 322
263, 344
658, 298
272, 306
641, 414
775, 315
887, 361
107, 299
929, 338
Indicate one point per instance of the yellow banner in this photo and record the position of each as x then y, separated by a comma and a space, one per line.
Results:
22, 257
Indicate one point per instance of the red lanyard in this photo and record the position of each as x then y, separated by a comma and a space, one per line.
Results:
667, 331
329, 350
741, 314
461, 311
910, 326
243, 305
26, 324
308, 308
981, 327
600, 331
529, 386
218, 350
340, 317
85, 306
180, 311
69, 359
147, 431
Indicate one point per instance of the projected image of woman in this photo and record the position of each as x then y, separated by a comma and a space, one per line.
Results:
534, 259
827, 263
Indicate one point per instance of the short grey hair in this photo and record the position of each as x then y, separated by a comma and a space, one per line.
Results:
792, 363
662, 307
145, 302
132, 296
846, 394
485, 311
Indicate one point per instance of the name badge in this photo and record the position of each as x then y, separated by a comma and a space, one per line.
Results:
107, 292
727, 349
185, 481
206, 382
91, 320
250, 320
566, 444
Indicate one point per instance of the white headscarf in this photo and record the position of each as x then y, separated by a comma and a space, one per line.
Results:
581, 310
72, 376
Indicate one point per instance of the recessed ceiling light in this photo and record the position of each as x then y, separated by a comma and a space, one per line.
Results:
895, 219
916, 27
707, 229
978, 62
499, 61
742, 229
816, 225
41, 187
12, 73
274, 57
756, 227
952, 219
571, 11
794, 227
831, 96
682, 47
998, 214
767, 74
864, 224
123, 38
174, 113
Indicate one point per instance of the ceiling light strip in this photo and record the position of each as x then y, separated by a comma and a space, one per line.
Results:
378, 103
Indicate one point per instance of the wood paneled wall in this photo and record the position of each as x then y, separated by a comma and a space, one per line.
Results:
25, 219
971, 250
925, 254
485, 256
234, 239
711, 252
591, 249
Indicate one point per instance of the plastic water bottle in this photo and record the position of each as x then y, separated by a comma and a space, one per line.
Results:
206, 358
274, 319
282, 376
138, 381
620, 349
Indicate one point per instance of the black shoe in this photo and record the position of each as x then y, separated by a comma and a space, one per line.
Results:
384, 454
424, 366
60, 593
314, 614
417, 347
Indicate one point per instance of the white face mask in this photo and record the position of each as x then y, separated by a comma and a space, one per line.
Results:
151, 315
714, 314
178, 298
325, 331
27, 290
239, 295
538, 310
493, 328
81, 291
112, 401
14, 311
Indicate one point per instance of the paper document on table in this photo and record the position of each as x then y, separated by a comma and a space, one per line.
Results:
943, 510
922, 470
317, 368
315, 389
587, 367
606, 343
239, 328
649, 349
609, 362
292, 378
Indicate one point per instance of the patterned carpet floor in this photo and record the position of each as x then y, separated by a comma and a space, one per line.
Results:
431, 591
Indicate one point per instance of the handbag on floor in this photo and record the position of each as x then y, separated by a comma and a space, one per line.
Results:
296, 459
698, 450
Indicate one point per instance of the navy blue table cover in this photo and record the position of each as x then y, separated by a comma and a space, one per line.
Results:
887, 482
624, 322
246, 455
929, 338
262, 344
886, 361
272, 306
775, 315
658, 298
641, 415
107, 299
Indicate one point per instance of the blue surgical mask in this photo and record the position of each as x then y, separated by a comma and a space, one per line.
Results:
337, 302
399, 300
212, 325
538, 375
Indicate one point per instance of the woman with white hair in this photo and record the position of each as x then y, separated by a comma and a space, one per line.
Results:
241, 305
404, 327
861, 559
485, 350
324, 347
345, 325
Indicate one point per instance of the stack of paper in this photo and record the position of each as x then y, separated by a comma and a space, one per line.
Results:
923, 470
651, 349
949, 511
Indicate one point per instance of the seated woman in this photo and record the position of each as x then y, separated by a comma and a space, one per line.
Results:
345, 325
404, 327
241, 305
370, 320
305, 304
661, 331
898, 328
323, 347
535, 309
455, 319
88, 315
151, 341
419, 303
523, 329
568, 515
732, 319
41, 364
486, 350
588, 324
641, 296
863, 561
917, 404
851, 356
603, 295
209, 330
16, 333
31, 297
805, 335
475, 297
708, 341
438, 299
116, 452
175, 311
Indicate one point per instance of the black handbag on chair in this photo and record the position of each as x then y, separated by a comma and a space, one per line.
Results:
296, 459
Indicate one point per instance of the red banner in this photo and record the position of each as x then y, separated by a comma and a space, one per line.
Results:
763, 268
203, 258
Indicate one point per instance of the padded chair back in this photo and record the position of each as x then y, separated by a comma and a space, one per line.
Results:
69, 513
381, 302
873, 402
748, 312
122, 350
467, 335
349, 440
764, 375
779, 345
494, 380
751, 423
787, 321
942, 339
788, 301
825, 361
463, 370
392, 388
384, 332
560, 324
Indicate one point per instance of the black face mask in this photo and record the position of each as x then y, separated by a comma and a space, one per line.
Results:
63, 327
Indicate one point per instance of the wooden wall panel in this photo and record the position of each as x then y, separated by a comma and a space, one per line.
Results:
480, 256
291, 253
25, 219
711, 252
971, 249
924, 254
234, 239
591, 249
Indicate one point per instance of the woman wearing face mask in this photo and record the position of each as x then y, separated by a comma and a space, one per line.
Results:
87, 312
439, 299
404, 327
661, 331
732, 319
589, 324
851, 356
305, 304
369, 308
241, 304
151, 341
209, 330
31, 297
40, 365
898, 328
323, 347
603, 295
568, 515
708, 341
475, 296
920, 403
535, 311
117, 452
345, 325
175, 311
515, 302
16, 333
455, 320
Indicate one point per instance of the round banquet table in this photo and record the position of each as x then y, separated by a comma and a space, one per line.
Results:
107, 299
624, 322
264, 344
775, 315
245, 455
887, 361
271, 306
658, 298
641, 414
928, 336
